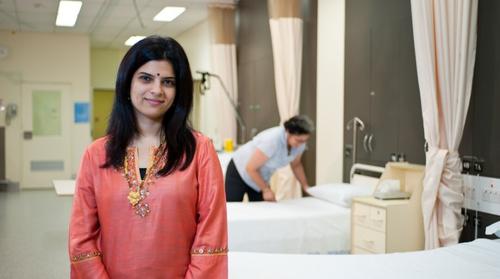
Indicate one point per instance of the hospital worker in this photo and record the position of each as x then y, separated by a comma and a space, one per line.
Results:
253, 164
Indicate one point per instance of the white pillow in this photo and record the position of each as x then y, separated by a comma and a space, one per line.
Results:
340, 193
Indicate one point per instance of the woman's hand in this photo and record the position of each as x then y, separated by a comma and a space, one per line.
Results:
268, 195
305, 193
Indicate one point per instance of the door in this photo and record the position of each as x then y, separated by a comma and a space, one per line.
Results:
357, 80
385, 109
46, 139
102, 104
411, 138
381, 85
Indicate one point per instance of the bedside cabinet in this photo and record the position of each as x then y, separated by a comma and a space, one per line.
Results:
386, 226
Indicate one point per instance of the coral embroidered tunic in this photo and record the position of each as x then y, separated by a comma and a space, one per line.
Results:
183, 234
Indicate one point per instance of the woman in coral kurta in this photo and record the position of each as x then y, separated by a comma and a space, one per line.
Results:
149, 199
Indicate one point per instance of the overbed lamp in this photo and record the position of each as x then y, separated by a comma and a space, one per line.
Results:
205, 85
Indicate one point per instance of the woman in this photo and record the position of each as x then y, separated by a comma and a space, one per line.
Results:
254, 163
149, 199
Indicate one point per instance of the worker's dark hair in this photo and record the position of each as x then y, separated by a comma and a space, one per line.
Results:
299, 125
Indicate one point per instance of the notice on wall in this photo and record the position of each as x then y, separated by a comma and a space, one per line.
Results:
81, 112
46, 113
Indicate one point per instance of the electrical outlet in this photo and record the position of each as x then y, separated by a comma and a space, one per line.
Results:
490, 195
481, 193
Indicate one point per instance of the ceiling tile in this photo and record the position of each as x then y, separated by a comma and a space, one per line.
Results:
34, 6
115, 22
45, 18
7, 5
9, 26
90, 9
121, 11
84, 21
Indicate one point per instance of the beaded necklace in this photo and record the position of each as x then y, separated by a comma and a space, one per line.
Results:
139, 189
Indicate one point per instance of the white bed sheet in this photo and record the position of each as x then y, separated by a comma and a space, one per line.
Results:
476, 259
305, 225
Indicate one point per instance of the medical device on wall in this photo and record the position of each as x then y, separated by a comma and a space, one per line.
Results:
482, 193
10, 111
481, 207
205, 85
355, 124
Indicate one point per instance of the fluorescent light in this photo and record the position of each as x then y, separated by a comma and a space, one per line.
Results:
67, 13
169, 13
133, 39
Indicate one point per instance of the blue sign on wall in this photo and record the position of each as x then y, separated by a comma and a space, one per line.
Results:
81, 112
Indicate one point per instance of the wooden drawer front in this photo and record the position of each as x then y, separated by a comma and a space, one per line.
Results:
358, 251
368, 239
377, 218
361, 214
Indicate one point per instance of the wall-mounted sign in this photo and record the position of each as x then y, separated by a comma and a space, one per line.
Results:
81, 112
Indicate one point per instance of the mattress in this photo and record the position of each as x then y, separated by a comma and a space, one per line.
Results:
476, 259
305, 225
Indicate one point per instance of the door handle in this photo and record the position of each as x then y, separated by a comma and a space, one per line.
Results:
365, 142
370, 143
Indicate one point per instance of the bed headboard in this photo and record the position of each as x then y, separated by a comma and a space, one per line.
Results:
365, 174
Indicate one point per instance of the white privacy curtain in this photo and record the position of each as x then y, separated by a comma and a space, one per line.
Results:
221, 18
286, 36
445, 47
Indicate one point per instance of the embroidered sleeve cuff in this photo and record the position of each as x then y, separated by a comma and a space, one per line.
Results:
204, 251
85, 256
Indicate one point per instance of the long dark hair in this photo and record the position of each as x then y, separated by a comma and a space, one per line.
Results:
122, 127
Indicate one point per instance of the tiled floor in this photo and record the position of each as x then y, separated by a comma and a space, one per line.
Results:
34, 234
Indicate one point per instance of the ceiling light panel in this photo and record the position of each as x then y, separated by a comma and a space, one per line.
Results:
67, 13
169, 13
133, 39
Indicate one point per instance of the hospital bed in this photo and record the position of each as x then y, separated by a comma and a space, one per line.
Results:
477, 259
319, 224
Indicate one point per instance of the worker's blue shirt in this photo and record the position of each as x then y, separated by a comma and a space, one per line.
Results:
271, 142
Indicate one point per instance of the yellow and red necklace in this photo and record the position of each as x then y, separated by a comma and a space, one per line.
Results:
139, 189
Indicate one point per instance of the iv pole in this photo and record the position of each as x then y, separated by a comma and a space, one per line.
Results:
239, 119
